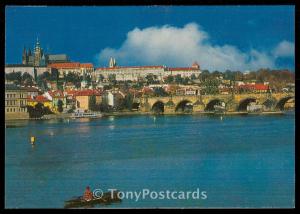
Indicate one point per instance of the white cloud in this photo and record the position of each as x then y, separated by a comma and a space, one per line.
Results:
284, 49
174, 46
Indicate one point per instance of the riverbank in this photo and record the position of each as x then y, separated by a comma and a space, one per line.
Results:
136, 113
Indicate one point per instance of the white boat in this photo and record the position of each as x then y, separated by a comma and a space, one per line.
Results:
82, 114
220, 108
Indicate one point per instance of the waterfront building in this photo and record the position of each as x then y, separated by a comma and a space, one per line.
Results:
33, 101
55, 96
32, 91
83, 98
135, 73
15, 102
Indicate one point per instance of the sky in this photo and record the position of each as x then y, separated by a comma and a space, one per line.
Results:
217, 37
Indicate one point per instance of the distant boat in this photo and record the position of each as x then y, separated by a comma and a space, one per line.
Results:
82, 114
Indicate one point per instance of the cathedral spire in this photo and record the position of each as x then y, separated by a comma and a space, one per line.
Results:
24, 56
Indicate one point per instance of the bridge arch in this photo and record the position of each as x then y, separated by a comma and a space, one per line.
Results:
184, 106
158, 107
244, 103
268, 104
136, 105
280, 104
210, 105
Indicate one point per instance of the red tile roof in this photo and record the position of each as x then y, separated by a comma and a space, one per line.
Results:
88, 92
56, 94
65, 65
259, 87
38, 98
86, 65
70, 92
125, 67
183, 69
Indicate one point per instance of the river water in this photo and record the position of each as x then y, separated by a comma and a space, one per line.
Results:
238, 161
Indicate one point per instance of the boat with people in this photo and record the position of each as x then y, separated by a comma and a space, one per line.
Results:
85, 114
106, 199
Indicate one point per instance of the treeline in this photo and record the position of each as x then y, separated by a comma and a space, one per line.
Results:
20, 79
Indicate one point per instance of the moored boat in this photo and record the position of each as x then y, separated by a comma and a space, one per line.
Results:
83, 114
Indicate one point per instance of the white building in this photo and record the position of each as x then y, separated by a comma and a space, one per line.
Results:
134, 73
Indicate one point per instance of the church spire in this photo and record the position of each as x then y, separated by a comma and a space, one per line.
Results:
112, 62
24, 56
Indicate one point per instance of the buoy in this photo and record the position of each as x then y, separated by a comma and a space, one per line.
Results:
32, 140
221, 118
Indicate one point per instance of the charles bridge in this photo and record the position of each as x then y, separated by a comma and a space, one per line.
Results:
202, 103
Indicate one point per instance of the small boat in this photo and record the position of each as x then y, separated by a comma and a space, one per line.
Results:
218, 109
106, 199
82, 114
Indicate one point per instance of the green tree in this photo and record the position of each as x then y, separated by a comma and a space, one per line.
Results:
193, 77
128, 101
101, 78
160, 92
92, 103
38, 110
60, 106
54, 75
211, 86
204, 75
16, 77
27, 79
178, 79
150, 79
169, 79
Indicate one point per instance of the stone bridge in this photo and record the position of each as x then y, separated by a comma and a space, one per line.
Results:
201, 103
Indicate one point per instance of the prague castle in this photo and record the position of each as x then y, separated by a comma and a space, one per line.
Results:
39, 58
37, 62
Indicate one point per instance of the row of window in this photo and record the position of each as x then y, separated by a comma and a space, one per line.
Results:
16, 110
10, 95
14, 102
22, 95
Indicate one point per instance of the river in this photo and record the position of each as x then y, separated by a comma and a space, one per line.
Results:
238, 161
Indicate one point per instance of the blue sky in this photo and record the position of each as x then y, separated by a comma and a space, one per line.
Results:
217, 37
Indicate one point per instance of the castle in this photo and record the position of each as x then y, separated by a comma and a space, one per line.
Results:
39, 59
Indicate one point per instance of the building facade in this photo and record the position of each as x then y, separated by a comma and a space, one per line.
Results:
15, 102
83, 99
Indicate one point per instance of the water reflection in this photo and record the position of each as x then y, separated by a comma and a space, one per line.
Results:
111, 118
